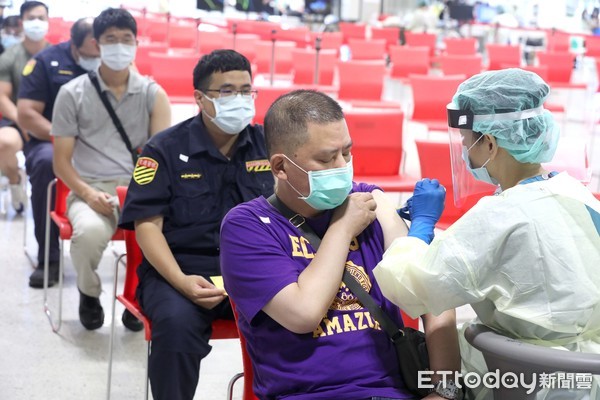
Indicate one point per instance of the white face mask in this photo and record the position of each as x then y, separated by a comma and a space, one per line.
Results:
89, 64
10, 40
117, 56
35, 29
232, 113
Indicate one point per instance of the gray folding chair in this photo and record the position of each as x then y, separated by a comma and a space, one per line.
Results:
510, 355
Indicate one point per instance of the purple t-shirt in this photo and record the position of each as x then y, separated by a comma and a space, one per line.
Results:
347, 356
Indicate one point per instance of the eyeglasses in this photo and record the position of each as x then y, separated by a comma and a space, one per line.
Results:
227, 93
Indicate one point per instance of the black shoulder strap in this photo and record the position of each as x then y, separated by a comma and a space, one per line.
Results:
386, 323
113, 115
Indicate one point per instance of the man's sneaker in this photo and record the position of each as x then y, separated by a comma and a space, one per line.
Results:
36, 279
91, 313
131, 322
18, 197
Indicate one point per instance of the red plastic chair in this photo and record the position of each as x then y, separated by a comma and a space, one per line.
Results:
65, 231
221, 329
157, 27
416, 39
283, 56
265, 97
434, 159
304, 62
362, 49
468, 65
59, 30
461, 47
558, 41
499, 54
560, 69
246, 45
173, 71
391, 35
408, 60
377, 150
182, 34
142, 56
351, 30
592, 46
431, 95
329, 40
210, 41
299, 35
361, 80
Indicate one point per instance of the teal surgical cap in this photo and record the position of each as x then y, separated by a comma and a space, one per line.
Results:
507, 104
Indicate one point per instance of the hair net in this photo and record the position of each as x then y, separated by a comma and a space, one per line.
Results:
531, 140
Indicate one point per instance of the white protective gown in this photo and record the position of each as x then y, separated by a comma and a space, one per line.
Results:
527, 260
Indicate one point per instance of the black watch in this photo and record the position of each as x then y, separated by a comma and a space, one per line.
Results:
448, 390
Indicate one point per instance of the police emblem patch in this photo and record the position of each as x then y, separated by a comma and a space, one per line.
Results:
28, 69
145, 170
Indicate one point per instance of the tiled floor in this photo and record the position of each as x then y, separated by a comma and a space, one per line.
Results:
38, 364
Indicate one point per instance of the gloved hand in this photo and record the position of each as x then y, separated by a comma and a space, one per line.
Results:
425, 208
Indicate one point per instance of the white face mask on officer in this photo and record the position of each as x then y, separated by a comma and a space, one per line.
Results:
117, 56
35, 29
89, 63
232, 113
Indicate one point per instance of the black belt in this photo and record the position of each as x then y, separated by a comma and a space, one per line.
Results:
210, 252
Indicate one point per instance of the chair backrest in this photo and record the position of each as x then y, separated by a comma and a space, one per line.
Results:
391, 35
592, 46
499, 54
282, 56
421, 39
352, 30
513, 356
265, 97
376, 141
299, 35
461, 46
560, 65
304, 62
248, 393
408, 60
142, 56
173, 71
246, 45
210, 41
361, 80
460, 64
558, 41
363, 49
182, 34
60, 197
431, 95
156, 28
329, 40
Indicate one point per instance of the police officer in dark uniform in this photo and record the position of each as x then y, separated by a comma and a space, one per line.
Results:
187, 178
42, 78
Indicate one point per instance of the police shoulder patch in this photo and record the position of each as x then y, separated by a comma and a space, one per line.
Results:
145, 170
28, 69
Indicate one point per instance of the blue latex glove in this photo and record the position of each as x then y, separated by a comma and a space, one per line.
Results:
425, 208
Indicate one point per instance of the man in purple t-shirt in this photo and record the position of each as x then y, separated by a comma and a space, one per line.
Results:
307, 335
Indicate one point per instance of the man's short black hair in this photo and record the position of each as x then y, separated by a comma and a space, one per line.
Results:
12, 21
80, 30
114, 18
28, 5
286, 122
218, 61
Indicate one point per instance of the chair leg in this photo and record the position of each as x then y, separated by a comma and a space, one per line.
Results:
112, 326
232, 382
55, 327
146, 391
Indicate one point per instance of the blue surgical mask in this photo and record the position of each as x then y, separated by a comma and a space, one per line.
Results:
10, 40
328, 188
481, 173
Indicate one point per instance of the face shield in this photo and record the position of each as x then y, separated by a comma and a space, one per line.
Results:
465, 186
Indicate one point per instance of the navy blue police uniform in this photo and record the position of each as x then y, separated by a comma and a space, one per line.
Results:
42, 77
183, 177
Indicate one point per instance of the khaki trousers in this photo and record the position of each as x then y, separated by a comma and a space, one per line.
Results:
91, 233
